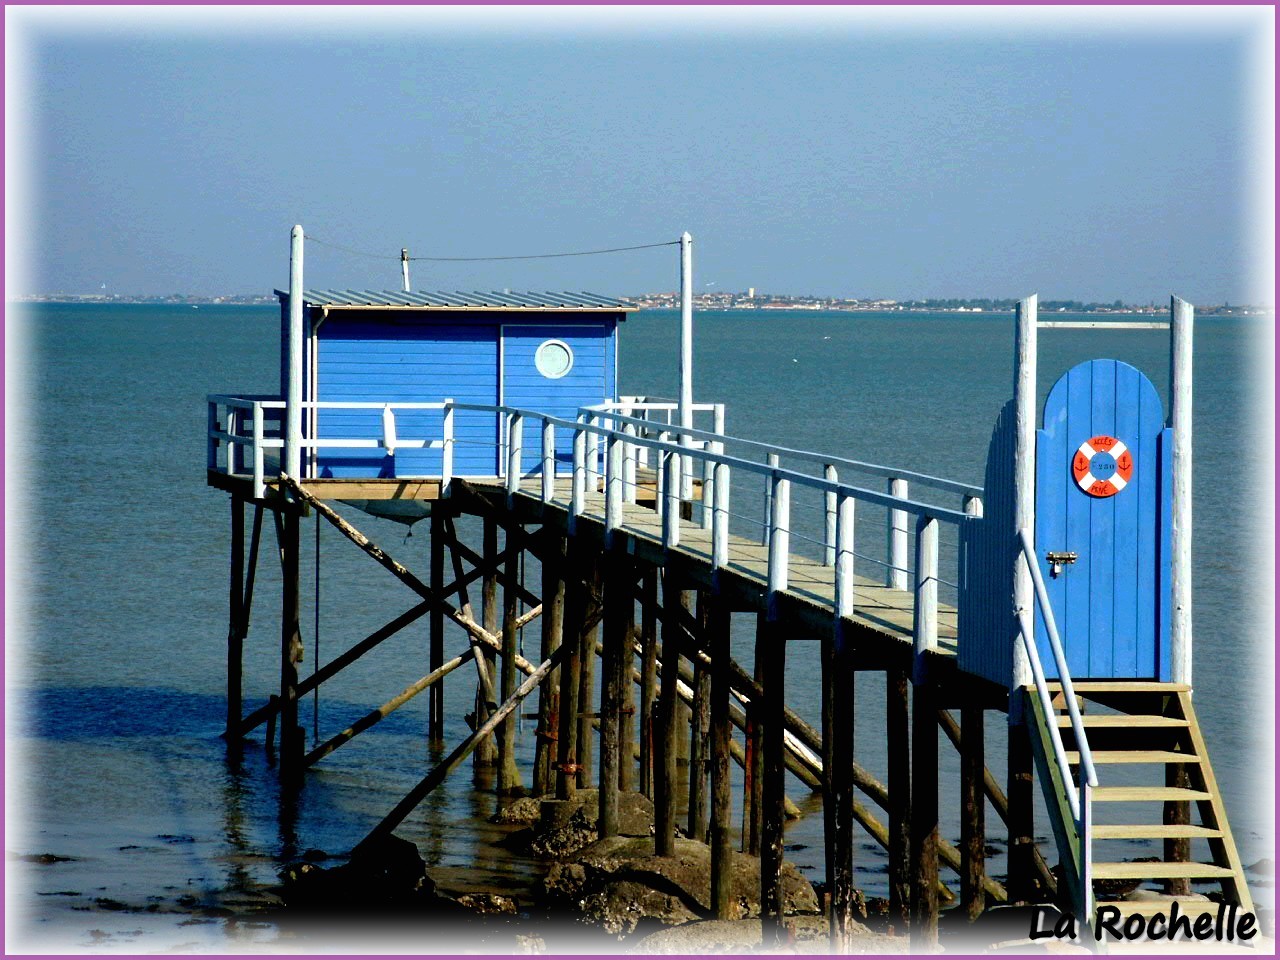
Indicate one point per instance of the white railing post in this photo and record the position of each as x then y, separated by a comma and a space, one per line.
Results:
515, 455
897, 571
629, 460
389, 439
613, 477
708, 491
720, 518
772, 461
779, 540
660, 478
925, 620
843, 562
259, 455
593, 457
717, 413
671, 507
829, 503
973, 506
233, 448
548, 461
578, 503
446, 451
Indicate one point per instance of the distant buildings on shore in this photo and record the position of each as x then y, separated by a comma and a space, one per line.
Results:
752, 300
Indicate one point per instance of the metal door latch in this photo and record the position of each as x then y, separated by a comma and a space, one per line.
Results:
1059, 559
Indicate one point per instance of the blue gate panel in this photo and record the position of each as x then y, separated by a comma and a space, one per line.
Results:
388, 362
1106, 604
987, 629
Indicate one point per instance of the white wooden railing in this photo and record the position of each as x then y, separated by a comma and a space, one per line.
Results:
608, 447
898, 483
1078, 839
240, 426
718, 469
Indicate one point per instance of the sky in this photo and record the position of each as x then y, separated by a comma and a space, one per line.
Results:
945, 153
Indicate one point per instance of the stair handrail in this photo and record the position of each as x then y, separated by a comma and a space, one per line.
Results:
1078, 798
1089, 773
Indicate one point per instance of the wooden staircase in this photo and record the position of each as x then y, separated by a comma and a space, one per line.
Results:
1154, 773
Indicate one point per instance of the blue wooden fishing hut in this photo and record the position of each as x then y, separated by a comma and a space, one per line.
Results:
400, 355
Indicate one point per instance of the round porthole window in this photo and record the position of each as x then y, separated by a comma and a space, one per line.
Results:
553, 359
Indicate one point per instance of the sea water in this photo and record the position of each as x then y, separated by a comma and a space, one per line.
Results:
128, 827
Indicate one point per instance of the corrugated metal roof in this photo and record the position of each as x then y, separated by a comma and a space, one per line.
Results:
463, 300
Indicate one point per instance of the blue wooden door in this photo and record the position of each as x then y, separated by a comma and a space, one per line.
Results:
1103, 493
556, 369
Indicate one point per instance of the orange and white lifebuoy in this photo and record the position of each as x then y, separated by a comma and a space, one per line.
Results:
1102, 466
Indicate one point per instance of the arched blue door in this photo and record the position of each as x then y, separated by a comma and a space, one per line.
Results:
1103, 494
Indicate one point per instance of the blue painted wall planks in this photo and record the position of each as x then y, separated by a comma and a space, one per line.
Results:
474, 357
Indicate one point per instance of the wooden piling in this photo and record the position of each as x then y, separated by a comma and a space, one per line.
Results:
837, 764
924, 817
898, 733
508, 772
721, 839
235, 617
1177, 849
773, 808
973, 807
575, 614
292, 735
553, 608
618, 603
1021, 820
627, 705
435, 721
590, 572
753, 766
648, 679
697, 824
486, 750
665, 781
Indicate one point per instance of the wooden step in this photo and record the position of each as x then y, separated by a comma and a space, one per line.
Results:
1124, 720
1103, 794
1139, 831
1134, 756
1122, 686
1160, 870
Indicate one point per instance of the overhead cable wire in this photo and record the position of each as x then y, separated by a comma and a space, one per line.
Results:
529, 256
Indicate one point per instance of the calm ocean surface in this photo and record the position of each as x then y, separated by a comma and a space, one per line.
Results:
116, 603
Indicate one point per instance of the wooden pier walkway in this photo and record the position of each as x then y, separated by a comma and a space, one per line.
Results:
809, 600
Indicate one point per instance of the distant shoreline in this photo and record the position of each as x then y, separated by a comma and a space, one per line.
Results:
717, 303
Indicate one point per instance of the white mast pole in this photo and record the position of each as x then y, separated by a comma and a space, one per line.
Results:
293, 393
686, 350
1024, 473
1181, 325
404, 266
